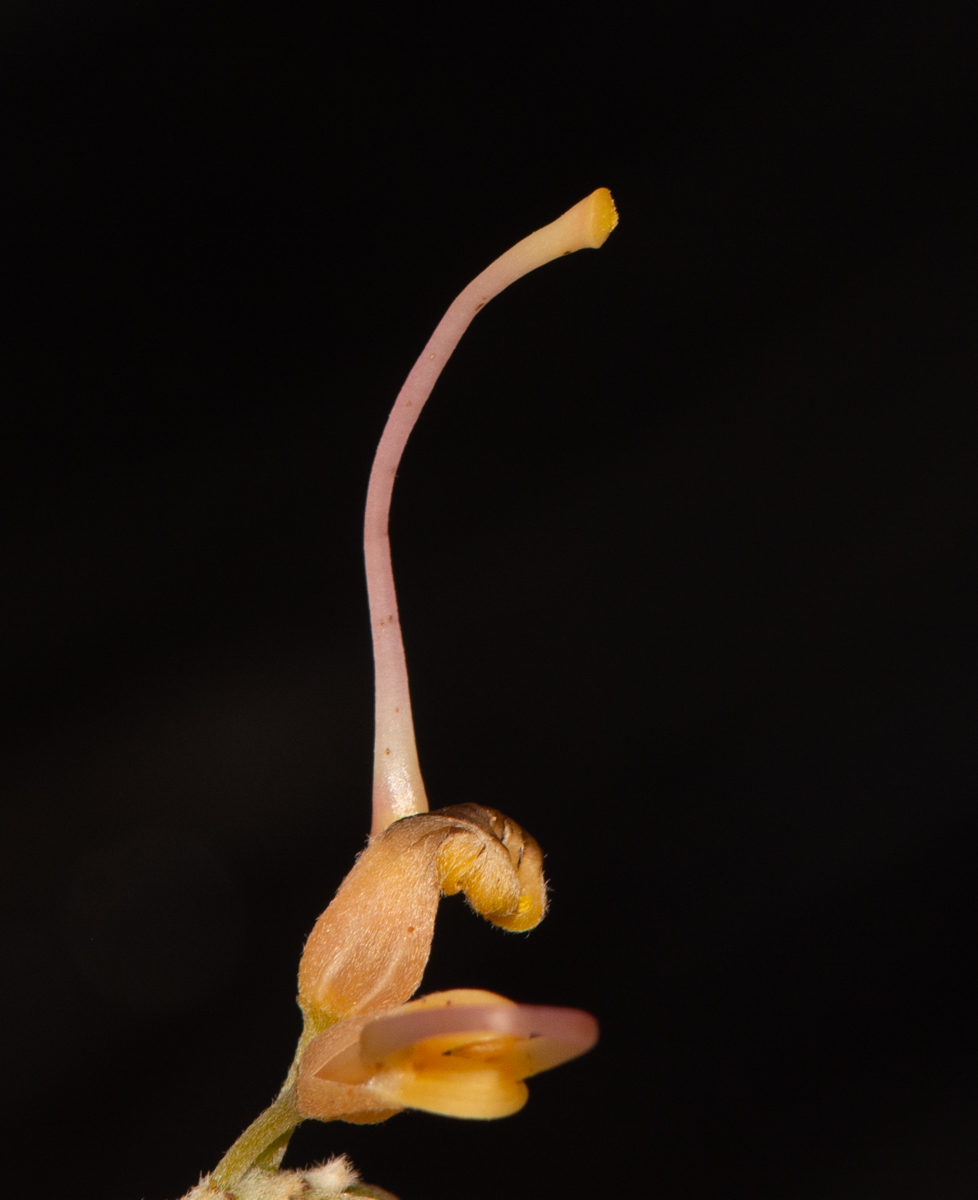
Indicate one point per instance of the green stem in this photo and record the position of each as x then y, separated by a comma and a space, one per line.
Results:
264, 1142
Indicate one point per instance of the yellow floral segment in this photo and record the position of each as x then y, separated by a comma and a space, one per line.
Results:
497, 865
448, 1076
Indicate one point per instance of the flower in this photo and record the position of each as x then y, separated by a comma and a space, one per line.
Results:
366, 1050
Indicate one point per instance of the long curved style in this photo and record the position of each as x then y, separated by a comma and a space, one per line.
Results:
398, 789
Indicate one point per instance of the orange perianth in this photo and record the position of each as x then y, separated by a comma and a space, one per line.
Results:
368, 950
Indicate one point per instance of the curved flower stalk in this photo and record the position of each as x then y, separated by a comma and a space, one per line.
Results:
367, 1051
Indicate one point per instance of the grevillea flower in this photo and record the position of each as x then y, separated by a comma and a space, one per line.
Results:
367, 1050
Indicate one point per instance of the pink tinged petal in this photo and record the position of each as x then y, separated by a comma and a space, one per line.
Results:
463, 1053
545, 1036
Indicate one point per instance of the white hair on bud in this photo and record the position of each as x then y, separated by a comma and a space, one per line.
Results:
328, 1180
333, 1176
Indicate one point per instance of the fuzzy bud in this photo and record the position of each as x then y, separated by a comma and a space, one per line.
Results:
368, 950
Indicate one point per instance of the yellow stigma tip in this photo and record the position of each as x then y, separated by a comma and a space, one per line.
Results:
603, 216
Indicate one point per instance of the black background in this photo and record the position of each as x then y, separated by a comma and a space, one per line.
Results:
685, 544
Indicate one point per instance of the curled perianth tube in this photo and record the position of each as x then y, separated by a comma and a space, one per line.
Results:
369, 949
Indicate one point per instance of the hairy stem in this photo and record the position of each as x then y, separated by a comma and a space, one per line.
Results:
262, 1144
